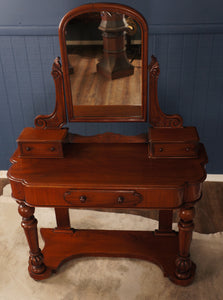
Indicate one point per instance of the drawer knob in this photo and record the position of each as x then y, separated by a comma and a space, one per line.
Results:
52, 149
28, 148
161, 149
120, 199
83, 198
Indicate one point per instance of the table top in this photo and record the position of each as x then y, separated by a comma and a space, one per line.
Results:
108, 165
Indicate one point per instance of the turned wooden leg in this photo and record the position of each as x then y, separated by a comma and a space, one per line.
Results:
184, 266
37, 268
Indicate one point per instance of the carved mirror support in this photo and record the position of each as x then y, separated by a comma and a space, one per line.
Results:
156, 117
58, 118
103, 77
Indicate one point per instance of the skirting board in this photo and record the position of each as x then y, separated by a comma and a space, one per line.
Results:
214, 177
210, 177
3, 174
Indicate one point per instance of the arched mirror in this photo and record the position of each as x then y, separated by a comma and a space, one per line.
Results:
104, 61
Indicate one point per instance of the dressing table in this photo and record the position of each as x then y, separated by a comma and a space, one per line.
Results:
103, 78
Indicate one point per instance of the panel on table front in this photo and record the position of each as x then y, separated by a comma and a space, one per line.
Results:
109, 198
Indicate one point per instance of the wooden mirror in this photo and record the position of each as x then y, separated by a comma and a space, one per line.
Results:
104, 61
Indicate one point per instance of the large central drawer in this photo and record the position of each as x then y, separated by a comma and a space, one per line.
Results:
104, 198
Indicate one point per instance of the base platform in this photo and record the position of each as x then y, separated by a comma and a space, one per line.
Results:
63, 245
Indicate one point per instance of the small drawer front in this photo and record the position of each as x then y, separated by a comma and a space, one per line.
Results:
174, 150
102, 198
41, 150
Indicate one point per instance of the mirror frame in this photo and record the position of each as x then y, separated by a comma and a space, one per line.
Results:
97, 7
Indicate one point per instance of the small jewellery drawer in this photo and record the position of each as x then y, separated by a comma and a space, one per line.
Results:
102, 198
174, 150
41, 149
173, 142
42, 143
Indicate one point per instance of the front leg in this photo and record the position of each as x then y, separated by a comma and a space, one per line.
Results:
37, 268
185, 268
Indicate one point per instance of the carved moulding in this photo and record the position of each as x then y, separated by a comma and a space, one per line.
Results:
58, 118
156, 117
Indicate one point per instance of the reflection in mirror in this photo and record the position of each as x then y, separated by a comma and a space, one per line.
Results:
105, 65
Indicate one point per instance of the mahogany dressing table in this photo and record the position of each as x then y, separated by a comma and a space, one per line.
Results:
103, 78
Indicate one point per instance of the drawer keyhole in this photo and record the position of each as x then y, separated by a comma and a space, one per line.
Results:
83, 198
120, 199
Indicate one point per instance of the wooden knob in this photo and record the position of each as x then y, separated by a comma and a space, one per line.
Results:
28, 148
161, 149
120, 199
83, 198
52, 149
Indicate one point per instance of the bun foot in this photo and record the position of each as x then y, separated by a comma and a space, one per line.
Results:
183, 267
40, 276
186, 278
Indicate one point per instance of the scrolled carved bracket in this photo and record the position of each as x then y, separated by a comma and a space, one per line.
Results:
56, 68
156, 117
154, 67
58, 118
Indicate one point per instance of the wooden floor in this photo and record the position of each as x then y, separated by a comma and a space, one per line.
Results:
90, 88
209, 217
209, 210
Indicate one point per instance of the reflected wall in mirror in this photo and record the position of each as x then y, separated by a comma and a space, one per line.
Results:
103, 57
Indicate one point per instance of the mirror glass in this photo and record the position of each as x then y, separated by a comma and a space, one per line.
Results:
105, 65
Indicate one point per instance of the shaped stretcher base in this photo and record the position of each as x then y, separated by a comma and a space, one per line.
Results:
63, 245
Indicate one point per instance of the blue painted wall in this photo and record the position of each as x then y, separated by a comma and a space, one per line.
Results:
186, 36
